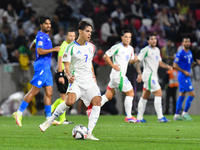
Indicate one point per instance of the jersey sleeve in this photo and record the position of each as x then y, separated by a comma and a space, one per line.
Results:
177, 58
143, 53
113, 50
62, 49
40, 40
67, 54
132, 54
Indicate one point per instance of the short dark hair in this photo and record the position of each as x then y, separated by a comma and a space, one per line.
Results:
83, 24
125, 31
43, 18
70, 31
150, 35
185, 38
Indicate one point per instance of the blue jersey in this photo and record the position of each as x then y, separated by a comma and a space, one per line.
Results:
43, 62
184, 60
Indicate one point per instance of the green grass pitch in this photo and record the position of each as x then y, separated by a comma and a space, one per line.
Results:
113, 133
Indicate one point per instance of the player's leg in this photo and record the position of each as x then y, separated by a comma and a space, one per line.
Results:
94, 116
47, 100
158, 106
188, 102
27, 98
107, 96
55, 104
142, 105
179, 103
71, 98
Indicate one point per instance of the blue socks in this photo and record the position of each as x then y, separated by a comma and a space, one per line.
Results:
179, 104
47, 109
23, 106
188, 103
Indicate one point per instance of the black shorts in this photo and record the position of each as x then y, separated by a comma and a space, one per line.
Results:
62, 88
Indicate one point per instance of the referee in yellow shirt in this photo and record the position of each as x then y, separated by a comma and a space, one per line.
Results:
61, 80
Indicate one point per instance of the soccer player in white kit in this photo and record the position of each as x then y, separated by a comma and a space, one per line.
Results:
77, 59
150, 55
122, 54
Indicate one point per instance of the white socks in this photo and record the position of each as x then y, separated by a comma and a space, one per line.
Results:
59, 111
158, 106
128, 102
93, 118
19, 113
103, 100
141, 108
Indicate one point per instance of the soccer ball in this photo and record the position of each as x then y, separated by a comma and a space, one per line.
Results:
73, 112
79, 132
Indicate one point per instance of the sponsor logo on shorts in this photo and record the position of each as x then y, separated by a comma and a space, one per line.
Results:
40, 43
190, 87
65, 55
154, 82
39, 82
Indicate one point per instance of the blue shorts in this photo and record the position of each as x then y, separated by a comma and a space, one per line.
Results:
185, 85
42, 78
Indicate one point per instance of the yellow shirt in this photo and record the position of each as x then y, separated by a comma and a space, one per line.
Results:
62, 50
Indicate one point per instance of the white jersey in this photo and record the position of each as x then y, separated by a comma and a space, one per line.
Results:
121, 56
150, 58
80, 58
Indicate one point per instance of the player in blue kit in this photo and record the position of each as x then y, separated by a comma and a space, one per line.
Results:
183, 63
42, 67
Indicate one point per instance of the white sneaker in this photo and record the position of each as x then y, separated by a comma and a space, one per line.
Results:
91, 137
44, 126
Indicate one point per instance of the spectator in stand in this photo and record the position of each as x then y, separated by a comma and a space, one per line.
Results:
156, 27
3, 53
121, 27
100, 17
87, 8
108, 32
148, 10
18, 5
20, 38
55, 24
29, 26
27, 12
173, 18
136, 9
183, 8
59, 37
168, 52
113, 6
64, 11
163, 18
186, 30
14, 57
126, 9
6, 36
5, 22
141, 40
12, 15
76, 6
98, 61
134, 32
117, 15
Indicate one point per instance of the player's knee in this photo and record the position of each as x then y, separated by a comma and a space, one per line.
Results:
96, 101
192, 94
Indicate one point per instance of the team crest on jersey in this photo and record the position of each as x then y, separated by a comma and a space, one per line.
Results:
40, 43
90, 50
65, 55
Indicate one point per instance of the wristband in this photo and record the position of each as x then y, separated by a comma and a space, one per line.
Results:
61, 74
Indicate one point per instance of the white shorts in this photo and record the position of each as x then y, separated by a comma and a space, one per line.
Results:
85, 92
120, 84
152, 85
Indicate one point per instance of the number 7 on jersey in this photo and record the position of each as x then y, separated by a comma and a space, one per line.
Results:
86, 57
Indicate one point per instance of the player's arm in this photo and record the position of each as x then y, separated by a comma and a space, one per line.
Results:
42, 51
164, 65
60, 71
108, 61
33, 45
176, 66
132, 61
137, 67
67, 72
93, 73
